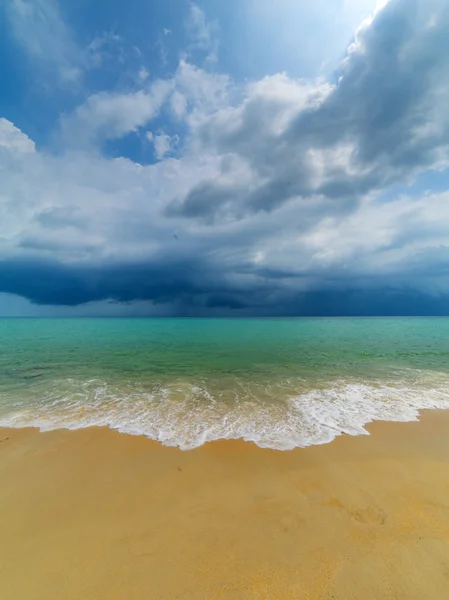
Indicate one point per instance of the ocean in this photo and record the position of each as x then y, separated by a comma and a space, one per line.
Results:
281, 383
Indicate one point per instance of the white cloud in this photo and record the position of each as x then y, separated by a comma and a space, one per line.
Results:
40, 29
163, 144
384, 239
192, 95
102, 48
178, 104
108, 116
12, 138
203, 33
143, 74
201, 92
81, 207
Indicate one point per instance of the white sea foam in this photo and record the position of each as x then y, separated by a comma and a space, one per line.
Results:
186, 415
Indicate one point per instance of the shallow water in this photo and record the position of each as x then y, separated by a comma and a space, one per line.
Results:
281, 383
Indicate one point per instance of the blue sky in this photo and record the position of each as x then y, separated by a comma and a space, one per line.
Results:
245, 157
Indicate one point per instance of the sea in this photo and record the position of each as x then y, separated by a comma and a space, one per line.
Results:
278, 382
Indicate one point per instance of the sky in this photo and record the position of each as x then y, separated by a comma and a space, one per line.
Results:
239, 158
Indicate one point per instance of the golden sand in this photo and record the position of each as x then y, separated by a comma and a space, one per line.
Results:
94, 514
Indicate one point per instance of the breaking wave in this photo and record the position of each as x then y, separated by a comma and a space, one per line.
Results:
188, 415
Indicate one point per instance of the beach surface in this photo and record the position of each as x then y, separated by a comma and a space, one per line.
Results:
96, 514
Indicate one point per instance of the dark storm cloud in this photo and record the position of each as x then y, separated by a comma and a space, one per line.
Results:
50, 282
204, 201
375, 302
196, 289
190, 282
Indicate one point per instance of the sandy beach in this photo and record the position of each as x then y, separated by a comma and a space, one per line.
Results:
95, 514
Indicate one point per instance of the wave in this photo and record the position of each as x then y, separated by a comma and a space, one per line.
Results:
188, 415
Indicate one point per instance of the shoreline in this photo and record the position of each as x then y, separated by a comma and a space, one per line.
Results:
95, 513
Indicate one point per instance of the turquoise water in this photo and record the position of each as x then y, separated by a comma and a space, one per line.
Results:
281, 383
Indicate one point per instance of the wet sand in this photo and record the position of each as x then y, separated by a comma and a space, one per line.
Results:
94, 514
